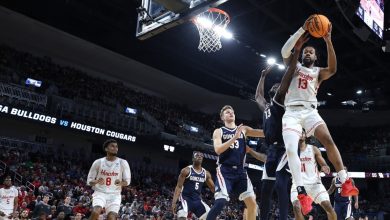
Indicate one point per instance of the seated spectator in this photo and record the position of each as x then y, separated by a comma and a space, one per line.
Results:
42, 207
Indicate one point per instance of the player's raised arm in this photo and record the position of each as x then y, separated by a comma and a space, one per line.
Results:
210, 182
288, 75
253, 132
93, 172
332, 187
220, 147
289, 45
180, 181
321, 161
259, 96
330, 70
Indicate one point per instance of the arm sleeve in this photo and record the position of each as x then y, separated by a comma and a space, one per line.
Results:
93, 171
126, 173
289, 45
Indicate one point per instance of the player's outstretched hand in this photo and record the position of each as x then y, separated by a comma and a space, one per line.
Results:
239, 129
265, 71
306, 24
325, 169
100, 181
328, 36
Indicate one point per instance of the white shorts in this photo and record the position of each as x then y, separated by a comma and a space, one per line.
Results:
7, 213
296, 118
111, 202
316, 191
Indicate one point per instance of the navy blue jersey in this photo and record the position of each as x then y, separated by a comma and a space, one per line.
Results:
235, 155
193, 184
272, 123
337, 195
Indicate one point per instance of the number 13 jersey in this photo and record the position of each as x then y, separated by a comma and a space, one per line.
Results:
303, 87
109, 171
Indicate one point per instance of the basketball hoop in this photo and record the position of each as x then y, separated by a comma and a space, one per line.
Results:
211, 25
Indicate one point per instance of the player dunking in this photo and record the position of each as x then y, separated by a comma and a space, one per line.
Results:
107, 176
8, 200
189, 188
310, 155
342, 205
230, 145
272, 125
301, 112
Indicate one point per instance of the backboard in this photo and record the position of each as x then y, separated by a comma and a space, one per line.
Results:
156, 16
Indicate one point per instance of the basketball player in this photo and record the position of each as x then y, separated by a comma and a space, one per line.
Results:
310, 155
342, 205
189, 187
107, 176
272, 125
301, 112
230, 145
8, 200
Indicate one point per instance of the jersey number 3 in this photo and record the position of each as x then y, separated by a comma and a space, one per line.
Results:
235, 145
302, 84
267, 113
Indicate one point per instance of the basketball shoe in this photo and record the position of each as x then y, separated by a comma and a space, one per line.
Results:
348, 189
305, 202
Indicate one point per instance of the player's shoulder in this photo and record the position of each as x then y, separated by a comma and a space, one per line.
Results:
100, 159
186, 170
218, 131
314, 147
121, 159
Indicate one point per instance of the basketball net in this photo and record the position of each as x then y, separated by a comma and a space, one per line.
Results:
211, 25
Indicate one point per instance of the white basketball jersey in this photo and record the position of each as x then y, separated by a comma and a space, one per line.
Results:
303, 87
309, 169
7, 197
110, 171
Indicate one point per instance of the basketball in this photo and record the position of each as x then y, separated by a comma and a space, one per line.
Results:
318, 26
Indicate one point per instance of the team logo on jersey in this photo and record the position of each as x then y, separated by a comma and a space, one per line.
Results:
105, 173
305, 76
305, 159
197, 179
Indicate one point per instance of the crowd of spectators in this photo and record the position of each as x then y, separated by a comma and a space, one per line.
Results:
58, 190
17, 66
